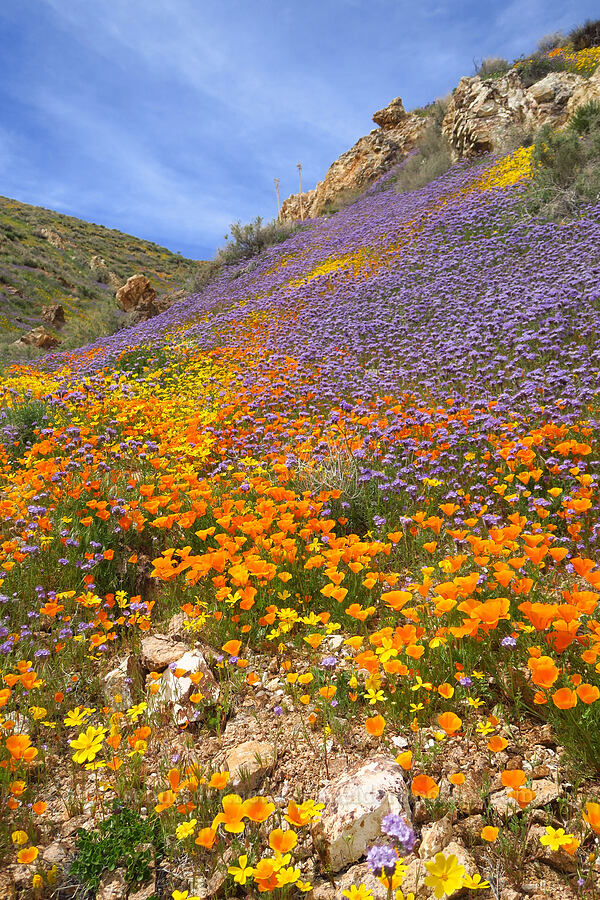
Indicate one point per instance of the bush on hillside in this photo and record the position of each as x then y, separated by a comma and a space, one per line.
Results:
431, 159
551, 41
567, 166
246, 241
586, 35
536, 67
491, 67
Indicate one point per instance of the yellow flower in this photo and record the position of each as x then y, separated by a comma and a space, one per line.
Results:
75, 717
475, 883
358, 893
555, 838
136, 711
19, 838
185, 829
243, 872
445, 875
88, 744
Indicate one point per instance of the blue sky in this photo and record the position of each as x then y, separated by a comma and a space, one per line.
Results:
169, 119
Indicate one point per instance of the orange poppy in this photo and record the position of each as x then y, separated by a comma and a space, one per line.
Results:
258, 809
206, 837
375, 725
458, 778
218, 780
513, 778
232, 815
592, 816
496, 743
449, 722
405, 759
282, 841
523, 796
489, 833
564, 698
28, 855
588, 693
424, 786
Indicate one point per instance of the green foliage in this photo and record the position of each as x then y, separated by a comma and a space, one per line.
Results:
432, 159
491, 67
122, 840
45, 258
551, 41
586, 35
246, 241
18, 427
566, 166
534, 68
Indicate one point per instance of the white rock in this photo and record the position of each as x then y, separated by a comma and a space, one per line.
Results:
116, 683
355, 804
249, 763
435, 837
158, 651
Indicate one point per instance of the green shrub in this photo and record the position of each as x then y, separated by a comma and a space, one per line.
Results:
536, 67
123, 840
586, 35
566, 166
246, 241
432, 159
491, 67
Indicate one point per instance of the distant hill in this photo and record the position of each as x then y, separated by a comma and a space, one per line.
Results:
48, 258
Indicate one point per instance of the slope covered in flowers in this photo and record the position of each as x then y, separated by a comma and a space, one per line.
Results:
386, 430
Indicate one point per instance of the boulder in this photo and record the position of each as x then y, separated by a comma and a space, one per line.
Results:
136, 294
54, 314
356, 875
177, 687
436, 837
249, 763
158, 651
113, 886
391, 115
117, 683
355, 804
546, 791
39, 337
52, 237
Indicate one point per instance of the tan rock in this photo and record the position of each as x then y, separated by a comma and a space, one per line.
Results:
371, 156
158, 651
355, 804
435, 837
8, 890
113, 886
249, 763
558, 859
53, 314
587, 90
39, 337
546, 791
391, 115
54, 854
52, 237
144, 892
137, 293
177, 687
117, 684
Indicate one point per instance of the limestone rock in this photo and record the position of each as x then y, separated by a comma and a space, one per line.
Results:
53, 314
249, 763
178, 687
158, 651
391, 115
546, 791
558, 859
7, 886
54, 854
356, 169
355, 804
52, 237
587, 90
39, 337
113, 886
483, 113
436, 837
136, 294
144, 892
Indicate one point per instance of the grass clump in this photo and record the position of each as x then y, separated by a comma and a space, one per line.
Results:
491, 67
246, 241
537, 66
20, 424
431, 159
567, 166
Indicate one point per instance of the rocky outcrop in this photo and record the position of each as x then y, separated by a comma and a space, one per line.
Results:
38, 337
54, 314
587, 90
136, 294
249, 763
355, 804
52, 237
354, 171
482, 114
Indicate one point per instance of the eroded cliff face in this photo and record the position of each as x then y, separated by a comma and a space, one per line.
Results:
483, 116
357, 168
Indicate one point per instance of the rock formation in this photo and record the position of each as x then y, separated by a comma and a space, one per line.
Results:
38, 337
482, 114
357, 168
54, 314
136, 294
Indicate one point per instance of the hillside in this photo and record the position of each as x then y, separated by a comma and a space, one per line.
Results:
48, 258
299, 580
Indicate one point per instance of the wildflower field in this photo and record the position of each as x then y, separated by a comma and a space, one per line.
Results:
360, 475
